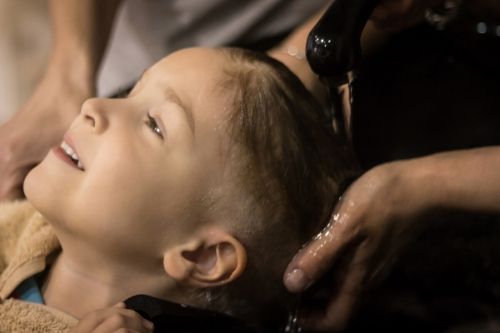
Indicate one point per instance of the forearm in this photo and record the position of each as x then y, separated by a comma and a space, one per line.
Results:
81, 29
460, 180
291, 51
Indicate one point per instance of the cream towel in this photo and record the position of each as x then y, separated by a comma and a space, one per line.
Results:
26, 240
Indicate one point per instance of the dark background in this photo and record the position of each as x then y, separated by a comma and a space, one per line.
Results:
428, 91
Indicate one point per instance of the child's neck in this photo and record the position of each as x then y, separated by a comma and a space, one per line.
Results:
78, 290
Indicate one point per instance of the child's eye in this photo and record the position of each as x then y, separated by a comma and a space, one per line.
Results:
153, 125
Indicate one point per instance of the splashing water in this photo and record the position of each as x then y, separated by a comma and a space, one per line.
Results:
341, 95
292, 325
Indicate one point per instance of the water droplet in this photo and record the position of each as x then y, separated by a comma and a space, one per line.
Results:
481, 28
292, 325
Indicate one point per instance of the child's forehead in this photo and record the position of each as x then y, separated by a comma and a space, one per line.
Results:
196, 79
198, 70
206, 58
198, 66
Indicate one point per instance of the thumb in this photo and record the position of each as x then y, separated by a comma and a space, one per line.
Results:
312, 262
120, 305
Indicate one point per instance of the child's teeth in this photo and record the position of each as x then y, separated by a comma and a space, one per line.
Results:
67, 149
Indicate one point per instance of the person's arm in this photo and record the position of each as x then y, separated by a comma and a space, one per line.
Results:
384, 209
80, 32
389, 17
291, 52
461, 180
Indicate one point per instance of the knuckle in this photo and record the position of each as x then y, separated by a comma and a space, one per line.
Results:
117, 320
128, 313
135, 315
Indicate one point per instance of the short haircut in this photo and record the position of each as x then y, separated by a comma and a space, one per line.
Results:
289, 167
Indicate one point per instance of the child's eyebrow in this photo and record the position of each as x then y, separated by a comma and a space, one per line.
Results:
173, 97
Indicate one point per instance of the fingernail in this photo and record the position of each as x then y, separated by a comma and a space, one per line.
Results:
297, 281
149, 325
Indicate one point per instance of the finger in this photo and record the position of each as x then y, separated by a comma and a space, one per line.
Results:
11, 194
344, 302
12, 186
95, 319
320, 254
10, 189
90, 322
124, 319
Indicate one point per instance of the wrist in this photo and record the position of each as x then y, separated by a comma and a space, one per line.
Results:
295, 59
63, 89
72, 71
422, 185
409, 188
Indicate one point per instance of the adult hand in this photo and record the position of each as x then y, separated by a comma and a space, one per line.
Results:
35, 128
114, 319
371, 224
80, 31
396, 15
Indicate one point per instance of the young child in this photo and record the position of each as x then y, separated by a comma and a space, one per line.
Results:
196, 188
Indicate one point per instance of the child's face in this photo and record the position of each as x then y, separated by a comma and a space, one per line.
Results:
149, 160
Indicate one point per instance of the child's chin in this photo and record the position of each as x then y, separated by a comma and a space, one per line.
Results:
39, 194
29, 185
35, 188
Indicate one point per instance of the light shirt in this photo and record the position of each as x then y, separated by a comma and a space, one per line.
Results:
147, 30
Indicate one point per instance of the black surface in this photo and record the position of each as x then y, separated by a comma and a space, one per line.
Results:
427, 91
176, 318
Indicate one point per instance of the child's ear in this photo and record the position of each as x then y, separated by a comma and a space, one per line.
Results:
210, 258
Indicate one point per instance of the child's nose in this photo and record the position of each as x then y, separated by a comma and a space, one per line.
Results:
94, 114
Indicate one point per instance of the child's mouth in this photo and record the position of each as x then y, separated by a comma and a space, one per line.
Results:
66, 152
